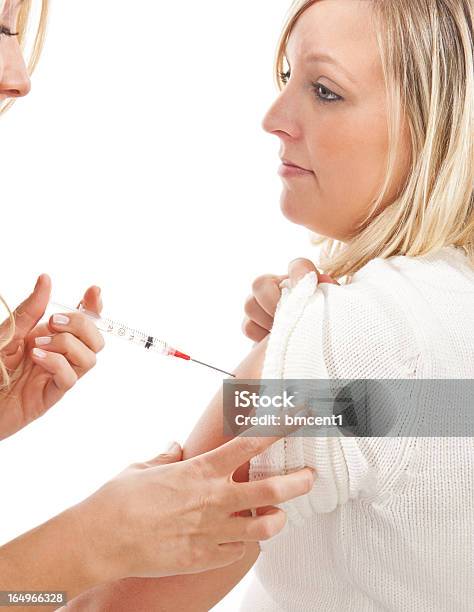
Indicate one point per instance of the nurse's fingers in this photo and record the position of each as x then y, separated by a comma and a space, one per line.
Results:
26, 315
226, 554
173, 453
62, 373
29, 312
92, 300
273, 490
253, 529
80, 356
77, 324
225, 459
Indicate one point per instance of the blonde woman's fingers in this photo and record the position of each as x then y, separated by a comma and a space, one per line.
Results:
257, 314
253, 331
299, 268
325, 278
267, 292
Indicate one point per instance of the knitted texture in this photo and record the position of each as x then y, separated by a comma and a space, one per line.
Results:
389, 523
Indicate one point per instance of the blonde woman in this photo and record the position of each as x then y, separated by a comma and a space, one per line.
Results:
375, 122
149, 519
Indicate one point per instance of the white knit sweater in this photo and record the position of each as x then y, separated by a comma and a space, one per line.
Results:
389, 524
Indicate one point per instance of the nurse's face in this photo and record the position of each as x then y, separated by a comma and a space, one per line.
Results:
14, 79
331, 120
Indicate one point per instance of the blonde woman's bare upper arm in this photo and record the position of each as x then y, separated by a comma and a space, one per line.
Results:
208, 431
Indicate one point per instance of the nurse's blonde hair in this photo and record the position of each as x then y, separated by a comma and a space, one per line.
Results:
426, 49
21, 27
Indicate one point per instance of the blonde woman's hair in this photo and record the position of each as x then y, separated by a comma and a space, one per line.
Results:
426, 48
21, 27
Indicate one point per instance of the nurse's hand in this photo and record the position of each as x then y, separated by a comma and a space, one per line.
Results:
261, 305
155, 520
67, 352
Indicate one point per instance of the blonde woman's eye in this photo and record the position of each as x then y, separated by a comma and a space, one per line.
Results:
325, 94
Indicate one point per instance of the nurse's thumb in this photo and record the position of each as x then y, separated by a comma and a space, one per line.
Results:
173, 453
29, 312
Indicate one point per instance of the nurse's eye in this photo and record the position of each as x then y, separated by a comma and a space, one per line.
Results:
4, 31
284, 76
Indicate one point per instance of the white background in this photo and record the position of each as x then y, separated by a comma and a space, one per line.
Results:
138, 163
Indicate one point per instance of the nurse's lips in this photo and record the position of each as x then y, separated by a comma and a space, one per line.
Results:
288, 169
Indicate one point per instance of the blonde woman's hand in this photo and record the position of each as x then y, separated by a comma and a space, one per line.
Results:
68, 352
261, 305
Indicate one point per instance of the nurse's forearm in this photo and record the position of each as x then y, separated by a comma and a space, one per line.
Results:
51, 557
192, 592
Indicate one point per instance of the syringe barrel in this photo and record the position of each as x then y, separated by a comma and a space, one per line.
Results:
120, 330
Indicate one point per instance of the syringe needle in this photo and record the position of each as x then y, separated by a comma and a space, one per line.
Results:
209, 366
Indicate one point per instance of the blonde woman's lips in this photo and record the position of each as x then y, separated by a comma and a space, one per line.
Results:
290, 171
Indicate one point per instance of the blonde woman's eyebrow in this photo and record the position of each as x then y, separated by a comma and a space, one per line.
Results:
329, 59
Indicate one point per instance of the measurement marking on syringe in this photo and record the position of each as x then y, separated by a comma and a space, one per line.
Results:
149, 342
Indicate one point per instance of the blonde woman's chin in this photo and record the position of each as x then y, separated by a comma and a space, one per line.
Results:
317, 219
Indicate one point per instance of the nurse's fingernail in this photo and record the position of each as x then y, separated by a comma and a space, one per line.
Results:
173, 447
43, 340
39, 353
60, 319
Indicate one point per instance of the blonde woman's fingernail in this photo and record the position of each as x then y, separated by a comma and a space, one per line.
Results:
39, 353
43, 340
60, 319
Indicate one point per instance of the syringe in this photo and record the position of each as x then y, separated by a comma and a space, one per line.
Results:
120, 330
